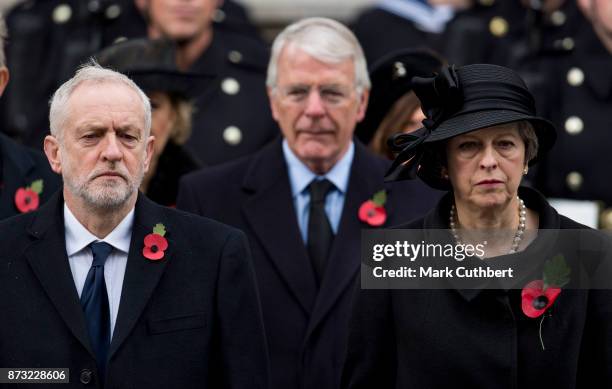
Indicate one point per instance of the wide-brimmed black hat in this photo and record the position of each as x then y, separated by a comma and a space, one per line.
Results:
461, 100
151, 64
391, 78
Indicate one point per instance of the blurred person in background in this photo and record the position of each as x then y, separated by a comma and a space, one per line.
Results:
26, 179
50, 38
393, 106
150, 64
577, 91
561, 49
233, 118
391, 25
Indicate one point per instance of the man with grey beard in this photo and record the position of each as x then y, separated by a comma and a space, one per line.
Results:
119, 290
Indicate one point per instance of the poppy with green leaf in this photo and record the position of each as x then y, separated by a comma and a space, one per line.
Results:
155, 243
373, 211
27, 199
539, 295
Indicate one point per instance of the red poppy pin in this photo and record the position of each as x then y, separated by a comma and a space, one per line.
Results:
373, 211
155, 244
27, 199
539, 295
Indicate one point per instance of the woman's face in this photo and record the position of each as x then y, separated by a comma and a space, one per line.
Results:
485, 167
162, 120
415, 121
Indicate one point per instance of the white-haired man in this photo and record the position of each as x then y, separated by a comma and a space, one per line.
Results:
100, 280
298, 200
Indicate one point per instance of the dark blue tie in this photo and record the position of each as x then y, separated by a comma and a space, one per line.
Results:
94, 301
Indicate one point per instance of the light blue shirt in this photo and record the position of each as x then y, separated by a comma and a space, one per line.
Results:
80, 257
300, 176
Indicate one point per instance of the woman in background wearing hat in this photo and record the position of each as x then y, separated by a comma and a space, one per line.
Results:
151, 65
393, 106
480, 135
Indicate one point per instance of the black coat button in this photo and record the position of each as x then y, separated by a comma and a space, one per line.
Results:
86, 376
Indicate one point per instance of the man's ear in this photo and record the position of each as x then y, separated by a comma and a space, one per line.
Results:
363, 104
149, 150
53, 153
4, 79
273, 102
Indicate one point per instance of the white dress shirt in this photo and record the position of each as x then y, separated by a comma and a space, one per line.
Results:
80, 257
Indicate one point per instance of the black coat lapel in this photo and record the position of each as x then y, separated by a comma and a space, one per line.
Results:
270, 212
49, 261
141, 275
344, 260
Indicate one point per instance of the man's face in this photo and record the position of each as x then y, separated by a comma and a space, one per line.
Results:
179, 20
103, 153
316, 106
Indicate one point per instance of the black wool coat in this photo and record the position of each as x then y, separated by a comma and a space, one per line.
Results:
306, 325
189, 320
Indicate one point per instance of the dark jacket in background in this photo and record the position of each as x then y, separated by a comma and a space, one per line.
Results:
173, 163
49, 39
233, 117
578, 96
569, 72
20, 166
381, 32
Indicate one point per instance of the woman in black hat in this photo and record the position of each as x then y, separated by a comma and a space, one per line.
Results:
539, 328
393, 106
151, 65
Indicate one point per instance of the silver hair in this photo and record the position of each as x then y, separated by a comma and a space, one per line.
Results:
3, 36
94, 73
324, 39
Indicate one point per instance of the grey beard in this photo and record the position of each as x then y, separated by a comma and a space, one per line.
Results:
107, 198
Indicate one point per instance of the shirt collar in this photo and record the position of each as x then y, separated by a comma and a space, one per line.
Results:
78, 237
300, 175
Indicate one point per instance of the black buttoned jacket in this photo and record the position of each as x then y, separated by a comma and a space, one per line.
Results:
232, 118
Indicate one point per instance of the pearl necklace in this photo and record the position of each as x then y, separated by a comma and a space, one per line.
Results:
518, 236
